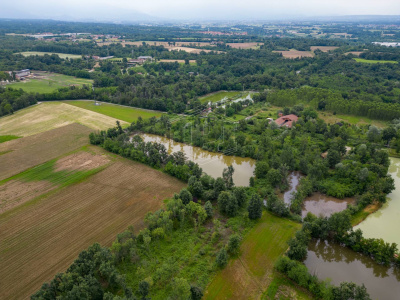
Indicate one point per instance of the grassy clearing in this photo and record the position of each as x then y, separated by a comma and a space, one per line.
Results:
370, 61
128, 114
217, 96
354, 120
250, 275
362, 215
282, 288
6, 138
61, 55
49, 82
56, 228
51, 115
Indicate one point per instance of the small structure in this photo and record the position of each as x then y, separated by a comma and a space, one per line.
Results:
20, 74
286, 121
145, 58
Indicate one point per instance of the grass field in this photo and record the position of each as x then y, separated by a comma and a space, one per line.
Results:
50, 115
217, 96
27, 152
44, 82
355, 120
248, 276
128, 114
61, 55
6, 138
370, 61
43, 236
291, 54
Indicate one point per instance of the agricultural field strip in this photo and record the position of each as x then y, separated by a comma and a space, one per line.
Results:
251, 273
121, 112
64, 214
61, 55
50, 115
28, 152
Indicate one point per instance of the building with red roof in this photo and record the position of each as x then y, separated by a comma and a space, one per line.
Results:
287, 120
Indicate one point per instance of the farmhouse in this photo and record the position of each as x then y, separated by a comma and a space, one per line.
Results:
145, 58
20, 74
287, 120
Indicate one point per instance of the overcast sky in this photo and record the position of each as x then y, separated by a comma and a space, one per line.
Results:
191, 9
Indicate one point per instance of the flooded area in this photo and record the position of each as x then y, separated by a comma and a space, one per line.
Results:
385, 223
212, 163
337, 264
323, 205
318, 204
294, 179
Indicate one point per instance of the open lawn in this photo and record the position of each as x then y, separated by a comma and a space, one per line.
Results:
330, 118
61, 55
218, 96
27, 152
50, 115
370, 61
124, 113
248, 276
45, 235
43, 82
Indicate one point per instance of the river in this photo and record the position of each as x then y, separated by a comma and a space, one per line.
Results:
212, 163
338, 264
386, 221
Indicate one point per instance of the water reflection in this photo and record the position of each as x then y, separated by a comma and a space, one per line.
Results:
323, 205
337, 263
211, 163
385, 222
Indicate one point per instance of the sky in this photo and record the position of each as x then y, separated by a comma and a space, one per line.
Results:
193, 10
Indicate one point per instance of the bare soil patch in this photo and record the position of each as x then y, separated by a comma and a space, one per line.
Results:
81, 161
323, 48
39, 240
15, 192
33, 150
243, 45
291, 54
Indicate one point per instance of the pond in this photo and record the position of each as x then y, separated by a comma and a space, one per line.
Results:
318, 204
386, 221
338, 264
324, 205
212, 163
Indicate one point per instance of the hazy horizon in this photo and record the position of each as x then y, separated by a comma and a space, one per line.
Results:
154, 10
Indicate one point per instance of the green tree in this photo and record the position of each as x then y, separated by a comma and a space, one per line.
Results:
227, 175
222, 258
185, 196
233, 244
180, 289
255, 207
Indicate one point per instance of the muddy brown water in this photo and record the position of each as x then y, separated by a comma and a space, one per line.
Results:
385, 223
212, 163
323, 205
329, 261
318, 204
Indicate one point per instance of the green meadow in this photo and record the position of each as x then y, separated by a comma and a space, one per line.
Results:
370, 61
124, 113
61, 55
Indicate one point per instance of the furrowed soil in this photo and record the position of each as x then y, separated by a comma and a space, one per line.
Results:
248, 276
27, 152
50, 115
44, 236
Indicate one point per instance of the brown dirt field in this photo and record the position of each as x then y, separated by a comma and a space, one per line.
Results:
30, 151
291, 54
15, 192
190, 50
43, 238
81, 161
243, 45
323, 48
